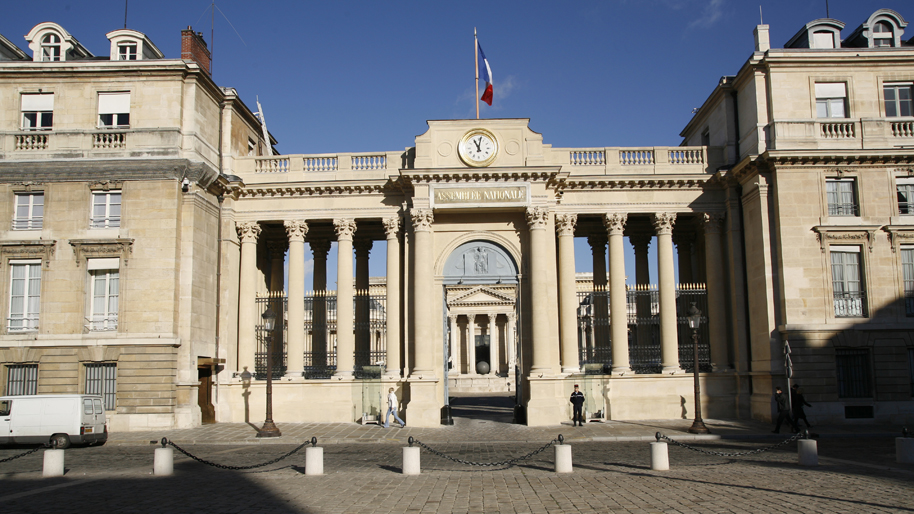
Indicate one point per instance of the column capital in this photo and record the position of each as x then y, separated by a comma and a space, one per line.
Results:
344, 228
296, 230
492, 316
663, 222
640, 242
422, 219
362, 245
277, 248
452, 317
391, 226
683, 239
512, 316
320, 248
615, 222
537, 217
565, 223
597, 242
712, 222
248, 231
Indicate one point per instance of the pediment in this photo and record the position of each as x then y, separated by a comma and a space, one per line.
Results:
481, 295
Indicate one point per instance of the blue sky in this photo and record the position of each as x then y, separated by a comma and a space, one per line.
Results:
344, 76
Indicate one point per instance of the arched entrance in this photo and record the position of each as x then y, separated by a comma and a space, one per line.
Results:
480, 293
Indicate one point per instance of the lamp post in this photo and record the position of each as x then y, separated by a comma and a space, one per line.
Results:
269, 428
694, 317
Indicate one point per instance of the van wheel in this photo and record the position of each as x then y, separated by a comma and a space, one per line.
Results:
62, 441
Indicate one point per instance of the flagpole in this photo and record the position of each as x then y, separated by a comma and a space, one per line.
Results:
476, 56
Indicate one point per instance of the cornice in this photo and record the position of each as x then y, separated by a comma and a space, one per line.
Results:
896, 156
603, 183
846, 234
321, 189
548, 174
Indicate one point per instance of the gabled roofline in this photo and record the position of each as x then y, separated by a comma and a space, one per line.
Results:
6, 43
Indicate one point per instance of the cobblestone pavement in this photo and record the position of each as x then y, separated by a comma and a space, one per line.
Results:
855, 475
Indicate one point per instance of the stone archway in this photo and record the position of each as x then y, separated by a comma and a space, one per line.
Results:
481, 290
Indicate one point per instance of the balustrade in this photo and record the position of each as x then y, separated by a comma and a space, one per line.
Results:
903, 128
640, 157
330, 163
271, 165
687, 156
843, 130
369, 162
32, 141
109, 140
588, 157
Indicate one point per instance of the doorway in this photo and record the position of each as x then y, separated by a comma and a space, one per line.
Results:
205, 394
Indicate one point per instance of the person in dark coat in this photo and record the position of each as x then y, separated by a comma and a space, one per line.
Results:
797, 400
577, 400
783, 411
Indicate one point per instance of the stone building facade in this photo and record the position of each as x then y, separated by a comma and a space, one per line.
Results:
783, 215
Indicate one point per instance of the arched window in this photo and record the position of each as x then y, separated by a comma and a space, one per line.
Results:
883, 35
50, 48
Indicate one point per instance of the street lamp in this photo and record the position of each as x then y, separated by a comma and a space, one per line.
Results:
694, 317
269, 428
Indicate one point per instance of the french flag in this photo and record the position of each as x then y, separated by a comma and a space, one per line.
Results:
485, 73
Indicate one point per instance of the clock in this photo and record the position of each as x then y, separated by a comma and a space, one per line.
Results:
478, 148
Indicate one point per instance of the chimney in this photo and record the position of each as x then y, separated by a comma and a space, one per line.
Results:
762, 42
193, 48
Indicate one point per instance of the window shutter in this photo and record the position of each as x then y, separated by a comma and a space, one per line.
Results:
106, 263
38, 102
114, 103
831, 90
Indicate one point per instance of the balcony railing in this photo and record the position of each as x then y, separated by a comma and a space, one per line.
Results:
850, 305
32, 142
109, 140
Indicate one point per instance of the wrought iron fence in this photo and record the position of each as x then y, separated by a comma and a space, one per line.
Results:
277, 337
686, 295
850, 304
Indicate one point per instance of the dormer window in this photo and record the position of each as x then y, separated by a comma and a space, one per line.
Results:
823, 39
883, 35
126, 52
50, 48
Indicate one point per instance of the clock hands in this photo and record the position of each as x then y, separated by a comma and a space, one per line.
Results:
477, 142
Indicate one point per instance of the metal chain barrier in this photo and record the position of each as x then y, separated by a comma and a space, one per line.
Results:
509, 462
796, 436
165, 442
22, 454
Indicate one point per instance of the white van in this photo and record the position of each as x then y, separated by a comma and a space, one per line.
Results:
49, 418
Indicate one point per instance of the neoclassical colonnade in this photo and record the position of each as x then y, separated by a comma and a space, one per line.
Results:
547, 353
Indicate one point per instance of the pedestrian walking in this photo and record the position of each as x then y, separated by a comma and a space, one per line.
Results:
392, 409
798, 400
783, 411
577, 401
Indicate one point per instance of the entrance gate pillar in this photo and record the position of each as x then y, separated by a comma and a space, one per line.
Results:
392, 231
669, 337
717, 311
618, 306
295, 365
493, 344
248, 232
564, 226
345, 339
423, 409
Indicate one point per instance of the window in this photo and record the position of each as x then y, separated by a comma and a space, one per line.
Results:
853, 370
114, 110
106, 209
847, 283
22, 379
37, 111
252, 148
883, 35
823, 39
831, 100
29, 214
841, 196
905, 194
25, 295
50, 48
126, 52
907, 275
104, 290
898, 99
101, 379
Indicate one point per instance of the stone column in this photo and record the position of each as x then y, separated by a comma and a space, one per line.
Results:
345, 338
641, 244
471, 343
248, 232
545, 351
362, 299
455, 343
511, 342
683, 244
493, 344
669, 340
568, 301
319, 250
618, 303
423, 343
277, 249
717, 309
392, 231
296, 231
600, 305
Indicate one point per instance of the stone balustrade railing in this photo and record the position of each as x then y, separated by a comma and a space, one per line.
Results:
289, 168
640, 160
849, 133
89, 143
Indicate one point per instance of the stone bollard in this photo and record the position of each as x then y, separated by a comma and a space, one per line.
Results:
660, 457
53, 463
164, 462
314, 459
807, 452
563, 456
411, 459
904, 448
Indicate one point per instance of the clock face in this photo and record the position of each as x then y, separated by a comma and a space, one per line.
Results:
478, 148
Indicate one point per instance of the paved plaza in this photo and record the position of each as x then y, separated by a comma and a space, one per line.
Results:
857, 471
